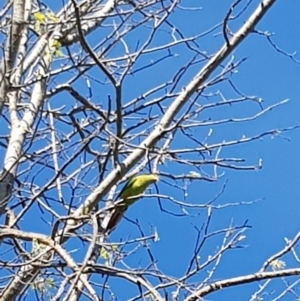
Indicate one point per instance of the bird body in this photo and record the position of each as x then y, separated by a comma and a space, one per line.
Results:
135, 186
130, 193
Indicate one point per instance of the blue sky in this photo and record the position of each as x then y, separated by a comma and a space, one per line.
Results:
273, 77
266, 74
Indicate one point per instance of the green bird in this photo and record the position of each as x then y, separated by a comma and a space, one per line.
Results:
130, 193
